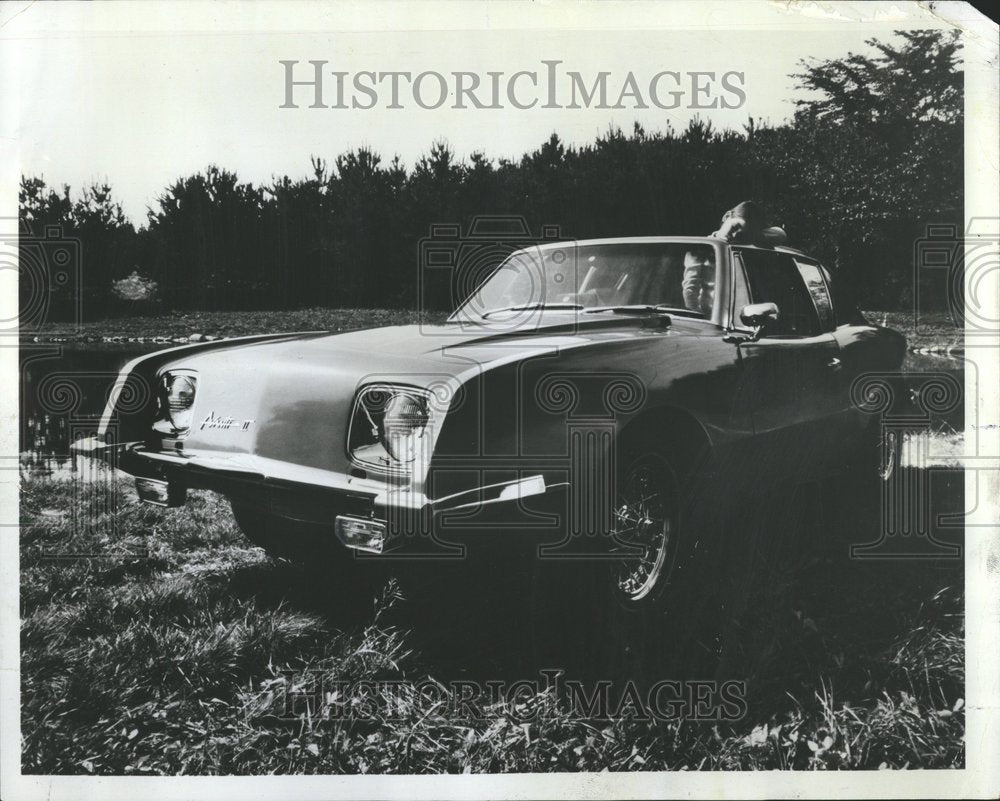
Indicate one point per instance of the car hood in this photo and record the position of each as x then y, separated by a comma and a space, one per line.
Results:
453, 347
291, 399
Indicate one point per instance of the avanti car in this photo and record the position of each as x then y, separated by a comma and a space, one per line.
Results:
595, 396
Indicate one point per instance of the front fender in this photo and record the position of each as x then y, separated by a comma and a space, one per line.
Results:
131, 406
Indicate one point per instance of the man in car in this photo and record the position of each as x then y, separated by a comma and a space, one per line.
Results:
744, 225
698, 281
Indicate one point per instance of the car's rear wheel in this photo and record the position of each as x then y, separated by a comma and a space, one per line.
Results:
875, 456
885, 450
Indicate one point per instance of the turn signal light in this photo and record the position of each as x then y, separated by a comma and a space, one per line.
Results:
360, 534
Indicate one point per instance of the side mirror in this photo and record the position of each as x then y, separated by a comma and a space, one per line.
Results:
757, 316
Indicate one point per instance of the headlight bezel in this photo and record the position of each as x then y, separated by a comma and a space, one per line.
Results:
371, 449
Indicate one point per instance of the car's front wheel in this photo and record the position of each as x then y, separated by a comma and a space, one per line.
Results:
645, 531
645, 608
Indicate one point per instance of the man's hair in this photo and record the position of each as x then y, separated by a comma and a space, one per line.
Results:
700, 252
749, 210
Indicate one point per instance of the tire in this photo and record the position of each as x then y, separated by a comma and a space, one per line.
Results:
669, 597
875, 456
882, 456
646, 520
874, 461
651, 614
854, 493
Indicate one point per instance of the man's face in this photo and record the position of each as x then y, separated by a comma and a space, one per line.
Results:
735, 228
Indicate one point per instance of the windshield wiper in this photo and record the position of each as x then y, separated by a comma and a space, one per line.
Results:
533, 306
659, 308
632, 309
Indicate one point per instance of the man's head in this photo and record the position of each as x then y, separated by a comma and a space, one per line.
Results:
743, 222
702, 259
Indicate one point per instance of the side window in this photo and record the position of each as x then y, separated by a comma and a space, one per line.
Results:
775, 278
845, 309
816, 284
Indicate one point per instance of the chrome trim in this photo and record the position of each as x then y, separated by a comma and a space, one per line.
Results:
381, 494
348, 537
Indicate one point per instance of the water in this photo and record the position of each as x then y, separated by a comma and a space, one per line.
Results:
64, 389
63, 393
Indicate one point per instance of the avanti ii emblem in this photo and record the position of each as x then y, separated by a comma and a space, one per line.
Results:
224, 422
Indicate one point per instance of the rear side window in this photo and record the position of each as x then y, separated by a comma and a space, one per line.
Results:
845, 309
775, 278
816, 284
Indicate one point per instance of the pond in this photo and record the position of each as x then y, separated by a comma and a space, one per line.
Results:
63, 392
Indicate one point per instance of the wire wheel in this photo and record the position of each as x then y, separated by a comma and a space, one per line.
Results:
644, 529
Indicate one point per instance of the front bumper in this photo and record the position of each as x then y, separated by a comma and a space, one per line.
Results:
529, 503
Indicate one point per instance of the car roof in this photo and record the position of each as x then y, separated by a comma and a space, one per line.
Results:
632, 240
651, 240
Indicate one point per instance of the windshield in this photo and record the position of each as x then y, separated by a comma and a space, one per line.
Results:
673, 275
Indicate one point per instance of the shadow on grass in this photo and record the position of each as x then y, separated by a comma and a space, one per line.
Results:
797, 607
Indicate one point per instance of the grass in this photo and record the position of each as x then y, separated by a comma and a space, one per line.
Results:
232, 323
930, 329
159, 642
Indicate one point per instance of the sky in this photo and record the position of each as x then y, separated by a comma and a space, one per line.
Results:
138, 98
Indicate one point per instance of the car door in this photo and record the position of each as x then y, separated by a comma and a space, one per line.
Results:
864, 348
792, 373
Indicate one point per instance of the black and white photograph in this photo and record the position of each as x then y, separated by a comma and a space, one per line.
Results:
412, 399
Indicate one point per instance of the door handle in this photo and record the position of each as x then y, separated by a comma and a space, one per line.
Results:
834, 363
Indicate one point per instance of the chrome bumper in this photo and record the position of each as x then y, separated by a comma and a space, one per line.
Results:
313, 495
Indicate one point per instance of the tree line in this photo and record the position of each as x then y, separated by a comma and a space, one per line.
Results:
872, 156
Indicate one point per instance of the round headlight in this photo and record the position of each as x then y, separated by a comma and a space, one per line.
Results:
178, 394
404, 426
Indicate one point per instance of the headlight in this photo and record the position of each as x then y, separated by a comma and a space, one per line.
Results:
177, 390
391, 427
404, 426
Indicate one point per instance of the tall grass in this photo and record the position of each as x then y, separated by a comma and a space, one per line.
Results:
159, 642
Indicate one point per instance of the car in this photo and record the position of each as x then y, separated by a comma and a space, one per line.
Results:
592, 397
